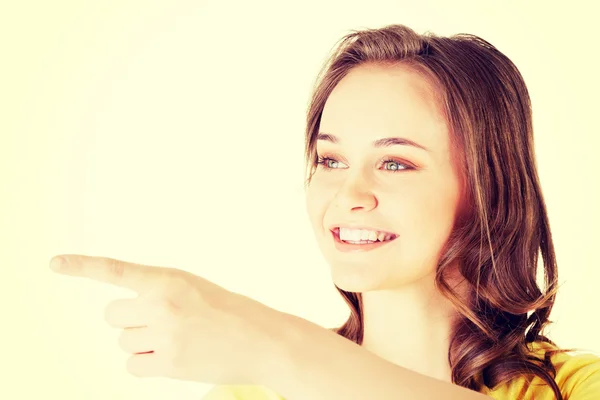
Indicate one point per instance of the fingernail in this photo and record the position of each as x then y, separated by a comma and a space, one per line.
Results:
57, 263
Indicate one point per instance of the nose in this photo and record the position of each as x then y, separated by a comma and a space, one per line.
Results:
355, 194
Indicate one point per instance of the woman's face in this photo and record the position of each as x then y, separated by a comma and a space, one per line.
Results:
409, 190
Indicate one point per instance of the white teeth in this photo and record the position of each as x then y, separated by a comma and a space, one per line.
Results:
349, 234
356, 235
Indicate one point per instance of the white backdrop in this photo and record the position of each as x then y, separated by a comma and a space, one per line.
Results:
171, 133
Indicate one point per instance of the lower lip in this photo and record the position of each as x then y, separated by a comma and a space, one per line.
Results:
349, 247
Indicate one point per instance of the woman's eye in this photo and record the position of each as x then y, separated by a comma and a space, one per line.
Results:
396, 165
329, 163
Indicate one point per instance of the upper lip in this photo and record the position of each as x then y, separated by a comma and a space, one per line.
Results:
355, 226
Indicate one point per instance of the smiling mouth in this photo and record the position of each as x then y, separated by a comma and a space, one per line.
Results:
374, 237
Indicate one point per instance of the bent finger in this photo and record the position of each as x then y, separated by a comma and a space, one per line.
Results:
127, 313
140, 340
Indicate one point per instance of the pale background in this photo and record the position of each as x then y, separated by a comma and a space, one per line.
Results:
171, 133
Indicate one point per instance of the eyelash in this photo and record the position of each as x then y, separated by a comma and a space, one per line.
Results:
324, 160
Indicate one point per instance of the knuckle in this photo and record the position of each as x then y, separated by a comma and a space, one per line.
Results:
170, 344
178, 283
170, 283
124, 340
177, 361
132, 367
109, 313
167, 308
116, 267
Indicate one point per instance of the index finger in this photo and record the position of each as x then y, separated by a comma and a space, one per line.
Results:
109, 270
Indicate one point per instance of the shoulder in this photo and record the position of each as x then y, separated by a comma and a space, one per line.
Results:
241, 392
577, 376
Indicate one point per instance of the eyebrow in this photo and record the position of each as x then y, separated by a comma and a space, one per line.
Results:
385, 142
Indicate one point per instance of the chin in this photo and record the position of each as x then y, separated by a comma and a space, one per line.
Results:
363, 279
356, 279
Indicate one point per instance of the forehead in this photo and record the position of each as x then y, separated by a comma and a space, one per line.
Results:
375, 101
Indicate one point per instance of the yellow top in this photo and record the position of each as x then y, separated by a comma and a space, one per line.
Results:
577, 376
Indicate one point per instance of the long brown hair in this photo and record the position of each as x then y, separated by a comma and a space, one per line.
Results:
487, 107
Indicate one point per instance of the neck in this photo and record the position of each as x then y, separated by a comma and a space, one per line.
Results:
410, 327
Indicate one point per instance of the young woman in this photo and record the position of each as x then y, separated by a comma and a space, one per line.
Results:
425, 200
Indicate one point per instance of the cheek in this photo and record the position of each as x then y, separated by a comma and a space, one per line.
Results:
316, 201
426, 212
